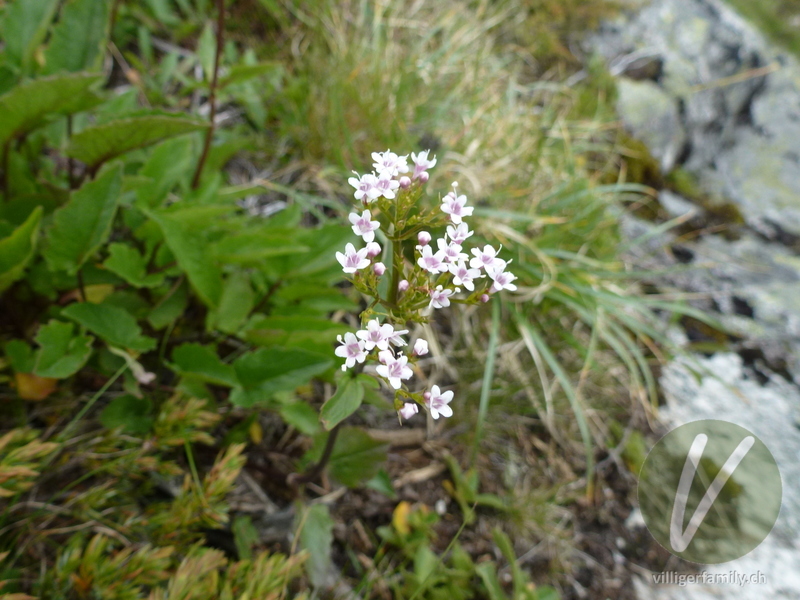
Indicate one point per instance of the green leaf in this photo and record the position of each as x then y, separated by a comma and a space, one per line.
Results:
17, 249
203, 363
269, 370
309, 333
189, 249
487, 571
206, 50
169, 307
168, 163
20, 356
25, 27
128, 263
34, 103
83, 224
100, 143
301, 416
342, 404
242, 73
78, 40
316, 536
245, 536
129, 412
253, 246
236, 303
356, 457
382, 483
115, 325
62, 353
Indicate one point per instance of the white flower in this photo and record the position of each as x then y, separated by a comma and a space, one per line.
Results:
376, 335
486, 259
420, 347
395, 369
455, 206
363, 226
403, 285
386, 186
388, 163
439, 401
379, 268
458, 234
365, 186
373, 249
409, 410
462, 275
452, 251
502, 280
421, 163
440, 298
351, 349
351, 260
396, 338
423, 238
433, 263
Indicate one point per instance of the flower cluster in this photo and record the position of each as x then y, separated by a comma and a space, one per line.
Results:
389, 198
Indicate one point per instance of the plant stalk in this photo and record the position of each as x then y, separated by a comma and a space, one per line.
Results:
311, 474
212, 97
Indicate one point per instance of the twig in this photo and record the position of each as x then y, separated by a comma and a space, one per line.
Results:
296, 479
212, 97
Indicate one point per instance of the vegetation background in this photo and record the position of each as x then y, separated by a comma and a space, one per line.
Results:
173, 179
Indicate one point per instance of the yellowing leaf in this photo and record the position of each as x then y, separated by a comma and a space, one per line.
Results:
33, 387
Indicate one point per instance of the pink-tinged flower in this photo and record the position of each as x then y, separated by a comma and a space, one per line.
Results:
387, 186
456, 207
365, 187
352, 260
421, 163
424, 238
409, 410
486, 259
433, 263
440, 297
388, 163
484, 298
439, 402
405, 182
463, 275
376, 335
395, 370
385, 356
397, 339
503, 280
403, 285
423, 177
458, 234
363, 226
373, 249
420, 347
452, 251
351, 349
379, 268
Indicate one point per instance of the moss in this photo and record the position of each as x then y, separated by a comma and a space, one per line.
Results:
777, 19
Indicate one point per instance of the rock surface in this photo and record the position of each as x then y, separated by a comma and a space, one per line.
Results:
704, 91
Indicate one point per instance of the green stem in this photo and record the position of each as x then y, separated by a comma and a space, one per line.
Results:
92, 400
488, 375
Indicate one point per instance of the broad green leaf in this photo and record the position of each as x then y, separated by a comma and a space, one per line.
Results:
100, 143
203, 363
356, 456
487, 571
206, 50
343, 403
242, 73
62, 353
17, 249
168, 163
236, 303
78, 40
20, 356
32, 104
382, 483
301, 416
133, 414
169, 307
128, 263
115, 325
256, 245
245, 536
311, 333
189, 249
25, 27
316, 536
81, 226
269, 370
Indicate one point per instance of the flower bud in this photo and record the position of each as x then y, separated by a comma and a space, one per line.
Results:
420, 347
485, 298
427, 396
403, 285
373, 249
423, 177
423, 238
379, 268
405, 182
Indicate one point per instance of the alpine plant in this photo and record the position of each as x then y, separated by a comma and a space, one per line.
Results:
443, 272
